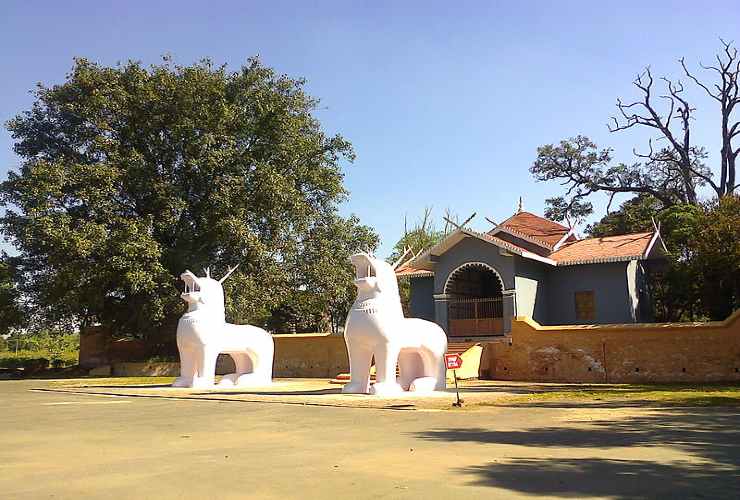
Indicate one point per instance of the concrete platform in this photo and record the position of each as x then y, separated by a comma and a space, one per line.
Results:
302, 391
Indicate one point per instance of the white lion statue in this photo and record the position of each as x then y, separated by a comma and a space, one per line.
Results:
376, 327
203, 334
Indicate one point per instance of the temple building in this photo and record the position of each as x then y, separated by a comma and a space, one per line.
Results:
473, 284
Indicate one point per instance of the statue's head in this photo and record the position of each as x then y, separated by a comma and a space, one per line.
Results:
374, 276
203, 291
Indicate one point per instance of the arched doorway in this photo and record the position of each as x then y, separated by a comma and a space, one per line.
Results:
474, 301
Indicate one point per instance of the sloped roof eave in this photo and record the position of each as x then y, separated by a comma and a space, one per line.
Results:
523, 236
533, 223
446, 244
422, 273
599, 260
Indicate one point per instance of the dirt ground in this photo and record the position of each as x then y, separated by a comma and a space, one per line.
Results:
301, 439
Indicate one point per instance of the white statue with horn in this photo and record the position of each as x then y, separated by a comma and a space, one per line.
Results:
377, 328
203, 334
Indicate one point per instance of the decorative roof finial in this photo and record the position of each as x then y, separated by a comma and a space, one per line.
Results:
521, 206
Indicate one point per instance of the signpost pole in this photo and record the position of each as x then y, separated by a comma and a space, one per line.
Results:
458, 403
453, 362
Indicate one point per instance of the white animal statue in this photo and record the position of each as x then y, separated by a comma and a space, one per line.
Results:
376, 327
203, 333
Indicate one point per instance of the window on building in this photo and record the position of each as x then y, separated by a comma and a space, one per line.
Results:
585, 306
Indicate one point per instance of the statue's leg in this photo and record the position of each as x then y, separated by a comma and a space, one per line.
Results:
427, 379
254, 369
386, 359
187, 369
410, 367
241, 366
359, 369
243, 363
206, 368
262, 364
441, 369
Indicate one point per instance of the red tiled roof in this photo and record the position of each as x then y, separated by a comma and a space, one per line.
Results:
506, 244
535, 227
604, 249
406, 271
547, 234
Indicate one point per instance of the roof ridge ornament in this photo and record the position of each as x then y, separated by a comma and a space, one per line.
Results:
520, 209
398, 262
457, 226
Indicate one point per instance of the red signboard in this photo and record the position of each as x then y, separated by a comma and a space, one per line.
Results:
453, 361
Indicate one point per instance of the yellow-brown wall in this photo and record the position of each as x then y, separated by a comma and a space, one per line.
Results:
310, 355
632, 353
298, 355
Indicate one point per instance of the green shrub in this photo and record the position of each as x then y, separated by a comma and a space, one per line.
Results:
24, 350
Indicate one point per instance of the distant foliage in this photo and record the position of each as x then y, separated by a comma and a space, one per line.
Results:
421, 236
59, 348
634, 216
702, 278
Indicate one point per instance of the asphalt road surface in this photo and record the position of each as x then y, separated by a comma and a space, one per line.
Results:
66, 445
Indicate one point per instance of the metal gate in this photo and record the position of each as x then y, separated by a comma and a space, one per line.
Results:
475, 317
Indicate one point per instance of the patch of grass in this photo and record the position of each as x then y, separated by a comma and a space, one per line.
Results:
663, 394
113, 381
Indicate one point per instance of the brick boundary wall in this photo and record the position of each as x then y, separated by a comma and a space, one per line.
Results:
629, 353
310, 355
296, 355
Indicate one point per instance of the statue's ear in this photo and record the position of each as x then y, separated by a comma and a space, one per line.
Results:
228, 273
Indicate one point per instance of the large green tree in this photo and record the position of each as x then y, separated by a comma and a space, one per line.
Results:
12, 314
132, 174
716, 257
324, 269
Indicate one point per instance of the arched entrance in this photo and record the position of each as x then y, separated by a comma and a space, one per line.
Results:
474, 301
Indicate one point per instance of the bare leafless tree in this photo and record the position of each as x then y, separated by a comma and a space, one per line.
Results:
680, 159
727, 93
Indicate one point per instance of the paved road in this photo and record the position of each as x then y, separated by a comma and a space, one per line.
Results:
72, 445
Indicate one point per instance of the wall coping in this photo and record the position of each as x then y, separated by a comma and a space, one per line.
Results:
735, 316
302, 335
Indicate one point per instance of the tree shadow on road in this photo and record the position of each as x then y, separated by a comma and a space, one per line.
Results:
617, 479
710, 436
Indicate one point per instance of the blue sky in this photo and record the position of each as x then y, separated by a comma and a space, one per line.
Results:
445, 102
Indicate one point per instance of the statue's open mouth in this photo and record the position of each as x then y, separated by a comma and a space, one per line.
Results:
191, 283
363, 267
